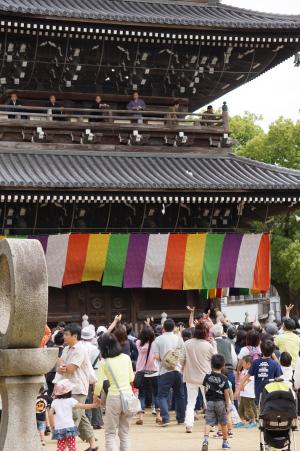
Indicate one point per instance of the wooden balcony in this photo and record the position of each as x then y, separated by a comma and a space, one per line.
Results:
115, 130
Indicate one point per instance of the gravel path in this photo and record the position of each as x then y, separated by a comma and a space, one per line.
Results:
150, 437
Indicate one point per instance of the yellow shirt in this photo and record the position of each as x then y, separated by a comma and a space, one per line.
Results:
288, 342
122, 369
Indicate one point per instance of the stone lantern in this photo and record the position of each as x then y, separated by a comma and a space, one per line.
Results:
23, 316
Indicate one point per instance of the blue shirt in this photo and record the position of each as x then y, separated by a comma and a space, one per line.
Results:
263, 370
134, 103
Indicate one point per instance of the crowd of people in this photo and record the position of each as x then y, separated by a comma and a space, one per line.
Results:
208, 366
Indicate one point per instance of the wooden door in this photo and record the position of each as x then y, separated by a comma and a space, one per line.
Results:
101, 304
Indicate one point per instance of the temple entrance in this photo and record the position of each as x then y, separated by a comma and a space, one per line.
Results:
101, 304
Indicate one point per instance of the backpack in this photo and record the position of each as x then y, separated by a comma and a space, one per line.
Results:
254, 353
170, 360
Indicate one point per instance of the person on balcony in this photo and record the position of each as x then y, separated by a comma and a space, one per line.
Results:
99, 106
14, 105
209, 115
173, 117
55, 109
137, 104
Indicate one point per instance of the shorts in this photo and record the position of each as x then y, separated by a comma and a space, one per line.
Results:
247, 408
215, 413
41, 426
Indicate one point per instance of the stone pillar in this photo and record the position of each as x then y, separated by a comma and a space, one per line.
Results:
23, 316
18, 403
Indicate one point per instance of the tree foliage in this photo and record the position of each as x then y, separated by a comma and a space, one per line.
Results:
280, 146
245, 128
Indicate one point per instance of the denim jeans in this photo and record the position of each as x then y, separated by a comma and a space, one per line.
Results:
172, 379
231, 378
151, 384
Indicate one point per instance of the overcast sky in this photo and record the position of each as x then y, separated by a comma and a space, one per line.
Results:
276, 92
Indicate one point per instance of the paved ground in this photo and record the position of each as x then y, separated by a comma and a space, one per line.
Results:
150, 437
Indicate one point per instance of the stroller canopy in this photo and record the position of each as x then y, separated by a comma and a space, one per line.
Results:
277, 402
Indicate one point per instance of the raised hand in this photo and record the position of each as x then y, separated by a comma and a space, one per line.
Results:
288, 309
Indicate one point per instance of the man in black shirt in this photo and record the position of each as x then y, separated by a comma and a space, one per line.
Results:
217, 397
55, 108
99, 106
14, 105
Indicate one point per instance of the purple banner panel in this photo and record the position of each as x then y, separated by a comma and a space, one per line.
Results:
135, 262
229, 258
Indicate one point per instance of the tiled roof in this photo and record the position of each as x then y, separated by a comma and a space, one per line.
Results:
126, 171
154, 11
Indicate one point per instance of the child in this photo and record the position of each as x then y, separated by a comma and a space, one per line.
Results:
42, 403
60, 415
286, 368
217, 396
219, 434
247, 407
263, 369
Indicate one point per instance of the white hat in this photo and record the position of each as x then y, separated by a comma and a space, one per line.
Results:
88, 332
101, 330
62, 387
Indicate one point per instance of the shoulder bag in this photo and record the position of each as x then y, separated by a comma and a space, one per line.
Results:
130, 403
170, 360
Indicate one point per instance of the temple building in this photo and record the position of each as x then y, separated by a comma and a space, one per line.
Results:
137, 208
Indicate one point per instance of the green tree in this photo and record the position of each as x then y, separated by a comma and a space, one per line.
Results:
244, 128
280, 146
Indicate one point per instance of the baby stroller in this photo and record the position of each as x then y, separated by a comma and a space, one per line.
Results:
278, 417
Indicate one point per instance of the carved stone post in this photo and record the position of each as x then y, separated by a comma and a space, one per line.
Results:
225, 117
23, 316
163, 316
85, 321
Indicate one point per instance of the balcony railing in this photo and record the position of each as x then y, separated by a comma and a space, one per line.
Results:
112, 127
147, 117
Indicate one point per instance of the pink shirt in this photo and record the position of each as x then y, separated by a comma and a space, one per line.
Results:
141, 361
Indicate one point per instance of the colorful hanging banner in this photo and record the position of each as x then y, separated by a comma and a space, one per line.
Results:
193, 264
212, 256
135, 262
229, 259
155, 261
262, 272
56, 255
173, 275
246, 261
116, 258
210, 262
96, 257
76, 256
